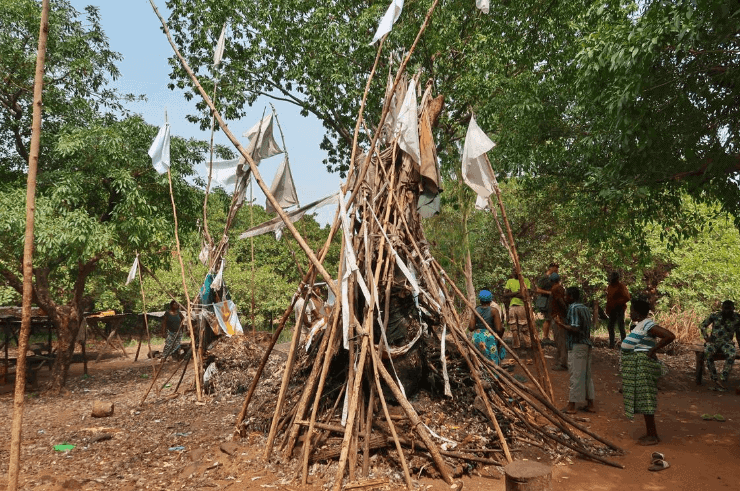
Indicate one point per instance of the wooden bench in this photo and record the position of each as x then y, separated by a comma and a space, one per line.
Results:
698, 350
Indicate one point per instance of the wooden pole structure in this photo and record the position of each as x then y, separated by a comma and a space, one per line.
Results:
196, 361
248, 158
33, 159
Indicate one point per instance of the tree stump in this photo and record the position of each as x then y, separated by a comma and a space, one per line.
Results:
102, 409
528, 476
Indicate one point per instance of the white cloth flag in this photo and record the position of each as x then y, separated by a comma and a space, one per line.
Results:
160, 150
225, 173
390, 17
407, 125
132, 271
219, 53
476, 171
483, 5
481, 203
264, 146
218, 281
282, 188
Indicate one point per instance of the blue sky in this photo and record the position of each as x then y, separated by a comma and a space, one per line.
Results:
134, 31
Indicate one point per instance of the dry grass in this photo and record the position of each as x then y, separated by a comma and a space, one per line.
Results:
683, 323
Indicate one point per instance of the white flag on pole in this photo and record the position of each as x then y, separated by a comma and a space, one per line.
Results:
219, 53
262, 146
483, 5
160, 150
133, 270
476, 171
283, 188
390, 17
407, 125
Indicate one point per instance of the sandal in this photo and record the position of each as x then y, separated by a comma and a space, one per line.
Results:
707, 417
658, 465
719, 417
587, 409
566, 411
657, 456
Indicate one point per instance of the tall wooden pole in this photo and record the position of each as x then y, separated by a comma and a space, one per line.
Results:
33, 160
196, 363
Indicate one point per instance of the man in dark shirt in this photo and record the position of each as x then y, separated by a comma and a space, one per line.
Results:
578, 327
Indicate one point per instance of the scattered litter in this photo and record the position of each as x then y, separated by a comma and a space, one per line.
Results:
178, 448
64, 447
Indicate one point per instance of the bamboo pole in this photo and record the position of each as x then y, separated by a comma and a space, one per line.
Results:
196, 360
33, 159
286, 379
540, 358
146, 322
248, 158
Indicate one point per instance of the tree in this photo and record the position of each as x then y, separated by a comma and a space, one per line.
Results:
102, 204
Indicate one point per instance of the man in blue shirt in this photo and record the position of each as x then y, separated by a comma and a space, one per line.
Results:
578, 326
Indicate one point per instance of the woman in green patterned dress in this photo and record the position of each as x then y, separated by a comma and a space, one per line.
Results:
641, 368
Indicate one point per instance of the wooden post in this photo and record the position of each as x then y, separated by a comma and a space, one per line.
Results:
525, 475
33, 159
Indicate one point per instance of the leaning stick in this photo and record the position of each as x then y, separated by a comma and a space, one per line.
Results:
352, 413
196, 360
286, 379
20, 377
255, 171
417, 424
522, 287
146, 322
328, 353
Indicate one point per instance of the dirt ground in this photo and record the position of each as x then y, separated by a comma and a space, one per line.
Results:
175, 442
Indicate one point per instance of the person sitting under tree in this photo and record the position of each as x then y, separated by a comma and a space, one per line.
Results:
724, 325
482, 337
641, 368
578, 329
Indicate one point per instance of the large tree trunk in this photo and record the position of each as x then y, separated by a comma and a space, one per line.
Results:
67, 320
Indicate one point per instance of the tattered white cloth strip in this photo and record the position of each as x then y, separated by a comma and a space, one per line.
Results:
443, 359
218, 281
483, 5
133, 270
282, 188
160, 150
262, 143
481, 203
407, 125
390, 18
219, 53
205, 252
476, 171
351, 268
225, 173
295, 215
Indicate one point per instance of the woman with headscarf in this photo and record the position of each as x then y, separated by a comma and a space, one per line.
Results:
482, 337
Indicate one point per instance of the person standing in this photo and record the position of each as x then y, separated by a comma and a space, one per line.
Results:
578, 326
171, 326
641, 368
724, 325
558, 310
544, 299
517, 312
617, 297
482, 337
